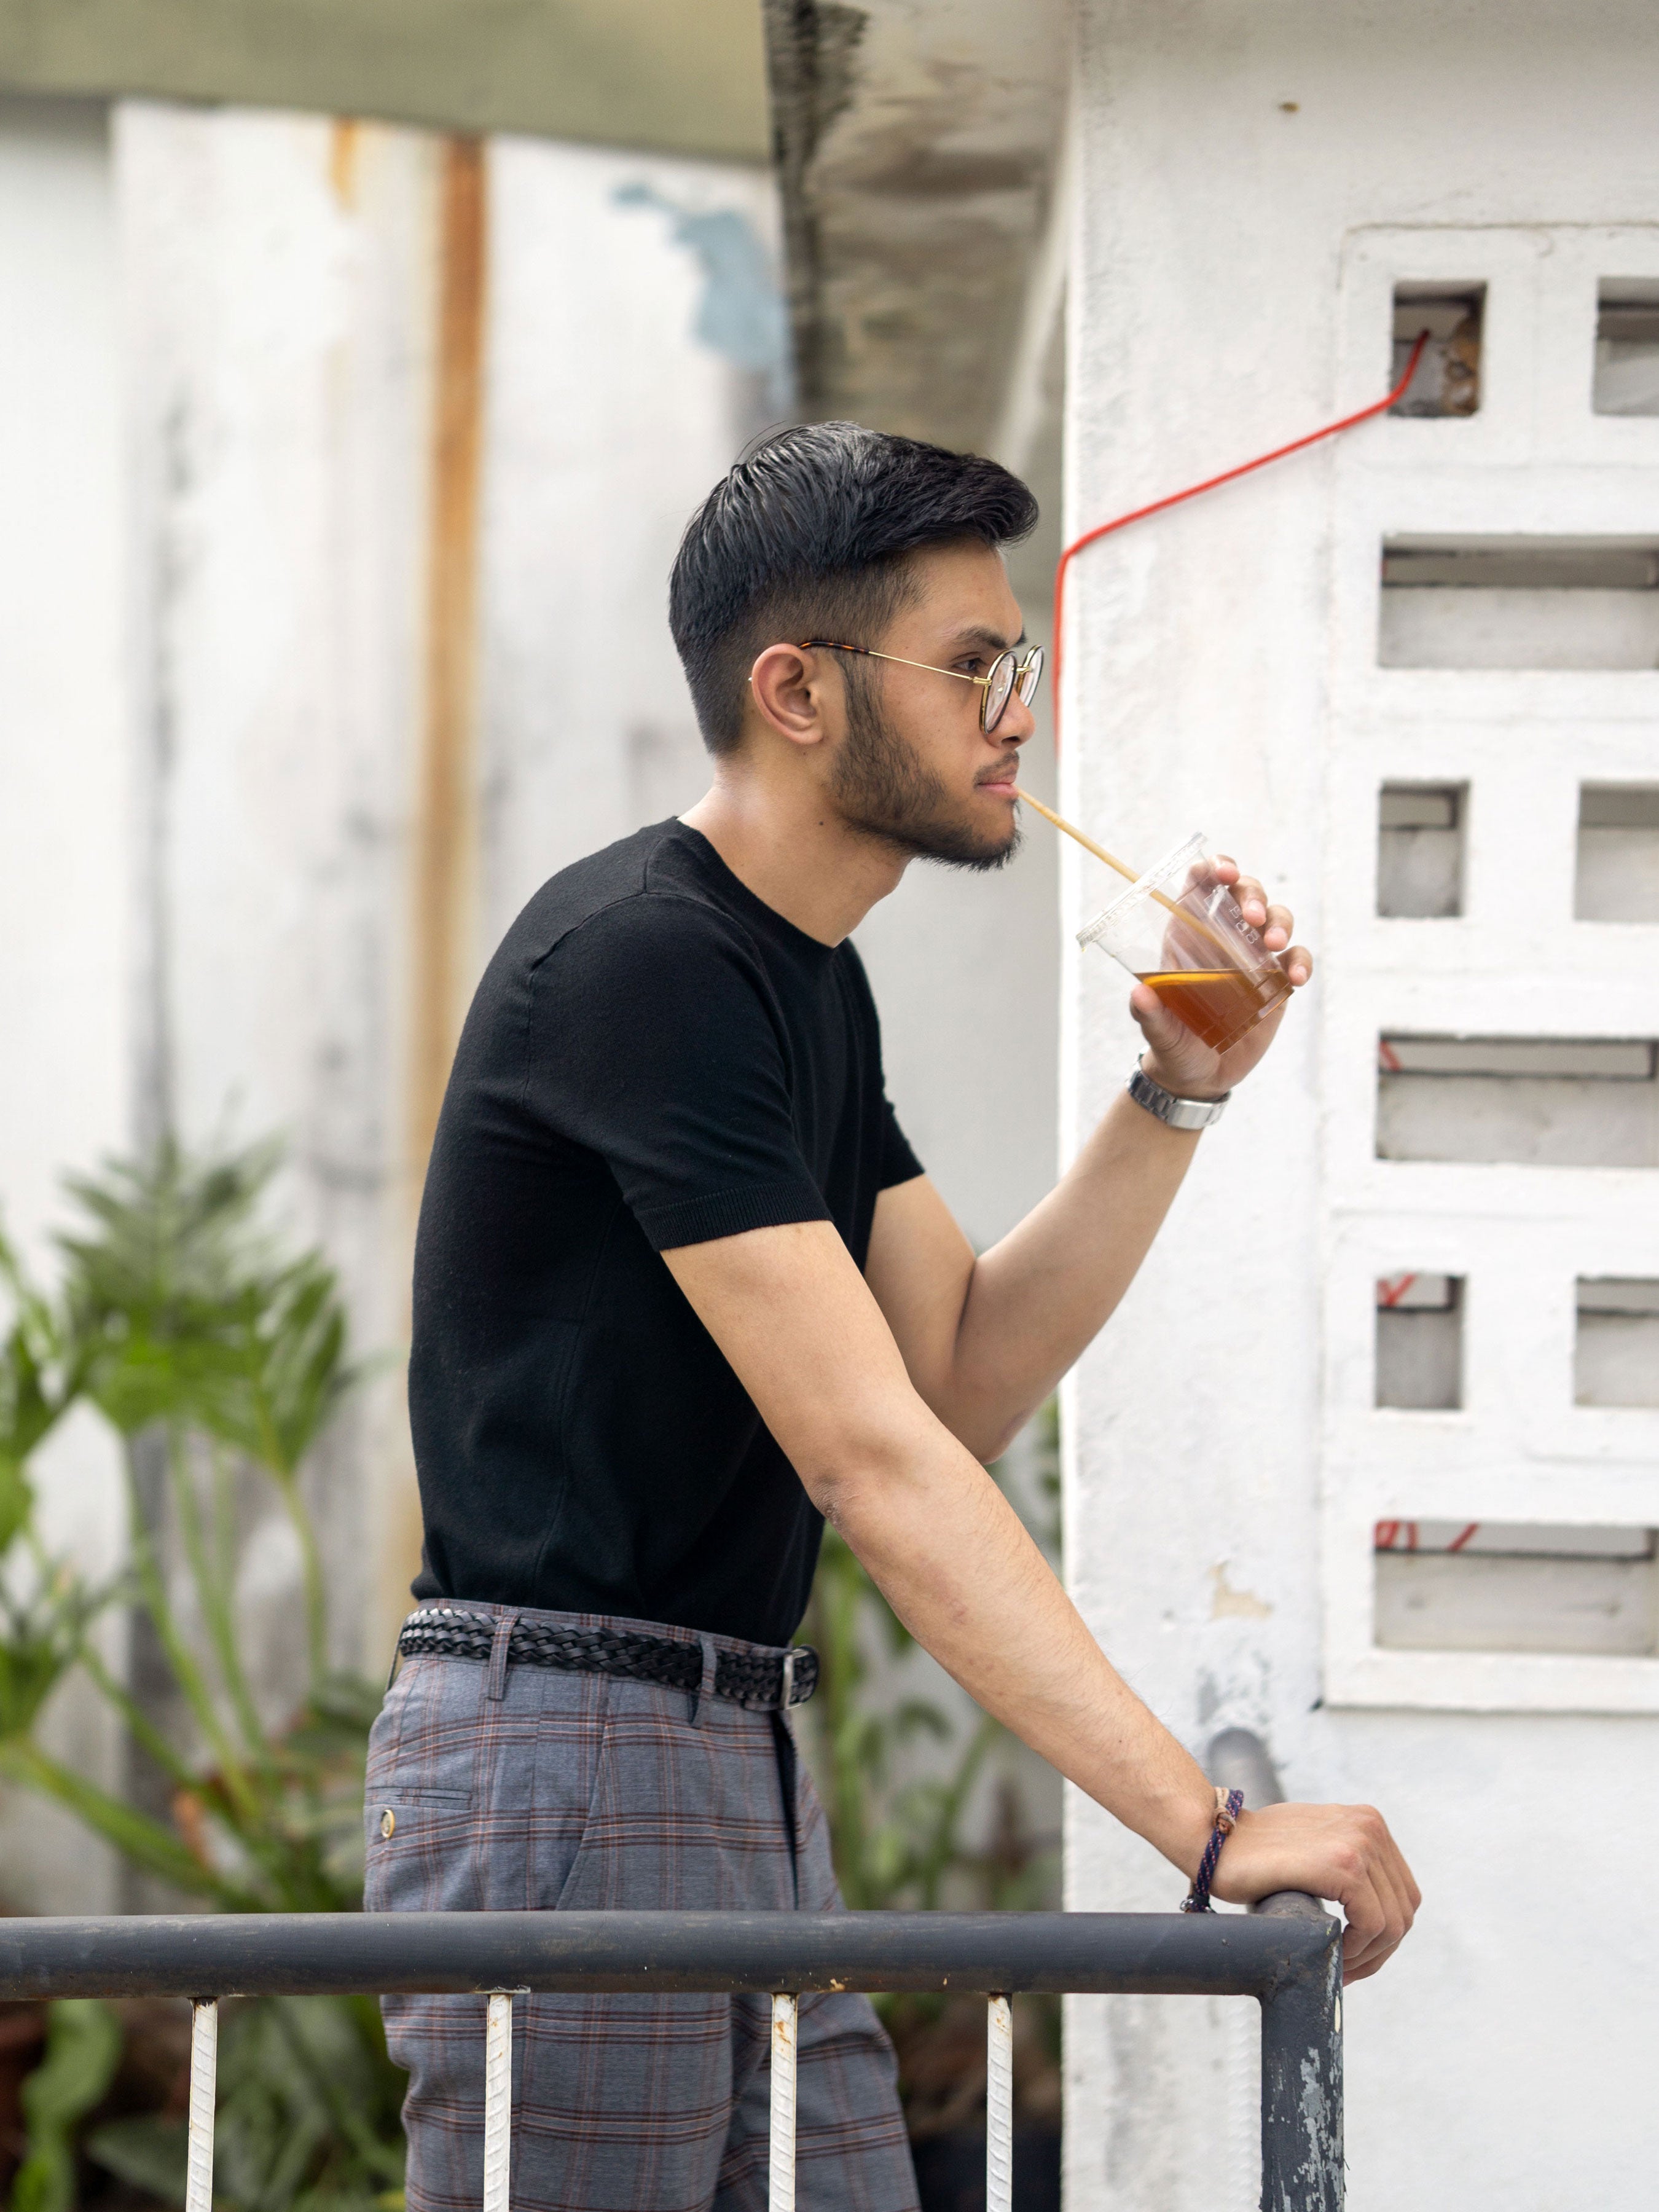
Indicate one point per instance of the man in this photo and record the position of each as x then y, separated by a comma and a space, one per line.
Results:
682, 1288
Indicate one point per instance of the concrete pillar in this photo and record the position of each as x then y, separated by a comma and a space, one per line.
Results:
1254, 188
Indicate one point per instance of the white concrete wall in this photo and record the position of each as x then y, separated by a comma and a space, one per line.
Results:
65, 886
284, 285
214, 682
219, 387
1252, 183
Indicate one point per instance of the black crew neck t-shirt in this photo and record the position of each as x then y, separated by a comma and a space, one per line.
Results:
653, 1058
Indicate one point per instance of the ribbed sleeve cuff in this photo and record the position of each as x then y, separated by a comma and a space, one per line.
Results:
730, 1212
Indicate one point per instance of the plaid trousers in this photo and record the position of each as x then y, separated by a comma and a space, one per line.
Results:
530, 1790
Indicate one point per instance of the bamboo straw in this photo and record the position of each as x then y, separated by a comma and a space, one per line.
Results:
1087, 843
1191, 921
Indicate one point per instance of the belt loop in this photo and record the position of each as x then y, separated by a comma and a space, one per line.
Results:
787, 1685
500, 1653
706, 1682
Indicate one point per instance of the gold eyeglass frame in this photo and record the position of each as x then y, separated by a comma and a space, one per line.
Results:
1031, 665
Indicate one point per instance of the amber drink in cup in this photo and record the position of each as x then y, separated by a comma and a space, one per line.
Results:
1180, 931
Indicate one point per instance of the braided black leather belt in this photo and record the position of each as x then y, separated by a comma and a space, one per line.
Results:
745, 1678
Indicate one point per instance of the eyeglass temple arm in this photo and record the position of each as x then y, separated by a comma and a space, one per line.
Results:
830, 645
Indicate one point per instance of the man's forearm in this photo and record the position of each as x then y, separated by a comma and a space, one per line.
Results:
954, 1562
1038, 1299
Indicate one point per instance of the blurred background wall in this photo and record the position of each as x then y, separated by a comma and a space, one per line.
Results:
360, 366
344, 458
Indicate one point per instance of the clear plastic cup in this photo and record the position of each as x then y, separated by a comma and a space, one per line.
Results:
1181, 931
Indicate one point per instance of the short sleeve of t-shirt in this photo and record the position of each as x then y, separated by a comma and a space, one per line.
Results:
898, 1163
653, 1040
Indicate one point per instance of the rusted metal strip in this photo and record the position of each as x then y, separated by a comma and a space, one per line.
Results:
447, 806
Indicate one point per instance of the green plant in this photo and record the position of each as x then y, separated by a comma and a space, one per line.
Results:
308, 2114
84, 2045
199, 1342
218, 1360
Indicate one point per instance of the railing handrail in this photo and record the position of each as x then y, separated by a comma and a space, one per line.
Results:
200, 1955
1291, 1964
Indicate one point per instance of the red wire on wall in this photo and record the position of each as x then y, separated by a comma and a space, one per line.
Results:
1210, 484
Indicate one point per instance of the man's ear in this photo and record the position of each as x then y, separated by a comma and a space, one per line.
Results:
791, 686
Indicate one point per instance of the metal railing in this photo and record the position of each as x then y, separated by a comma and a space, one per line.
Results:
1288, 1955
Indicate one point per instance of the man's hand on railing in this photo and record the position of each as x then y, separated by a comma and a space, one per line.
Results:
1344, 1852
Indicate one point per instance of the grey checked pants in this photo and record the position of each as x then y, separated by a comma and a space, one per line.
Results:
582, 1792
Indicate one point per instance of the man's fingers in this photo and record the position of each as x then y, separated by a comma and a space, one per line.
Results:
1378, 1904
1366, 1941
1160, 1028
1253, 900
1297, 964
1280, 922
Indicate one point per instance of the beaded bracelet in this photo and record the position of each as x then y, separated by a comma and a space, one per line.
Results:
1229, 1804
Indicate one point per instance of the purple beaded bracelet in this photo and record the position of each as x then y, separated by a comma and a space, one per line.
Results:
1229, 1804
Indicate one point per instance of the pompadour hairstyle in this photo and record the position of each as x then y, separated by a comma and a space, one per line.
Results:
807, 536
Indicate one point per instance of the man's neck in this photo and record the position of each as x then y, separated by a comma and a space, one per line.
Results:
784, 844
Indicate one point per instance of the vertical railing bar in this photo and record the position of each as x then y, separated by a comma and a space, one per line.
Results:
1301, 2165
203, 2097
498, 2101
999, 2105
780, 2185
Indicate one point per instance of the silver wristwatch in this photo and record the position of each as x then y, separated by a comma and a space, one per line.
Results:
1178, 1113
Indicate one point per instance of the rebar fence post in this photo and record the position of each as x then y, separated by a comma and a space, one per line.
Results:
1301, 2087
780, 2188
498, 2101
204, 2096
999, 2105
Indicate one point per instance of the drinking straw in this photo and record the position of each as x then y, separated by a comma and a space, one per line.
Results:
1087, 843
1191, 921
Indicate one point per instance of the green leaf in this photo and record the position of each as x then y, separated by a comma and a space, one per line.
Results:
84, 2046
147, 2151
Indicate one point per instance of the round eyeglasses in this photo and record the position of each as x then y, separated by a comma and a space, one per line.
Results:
1008, 674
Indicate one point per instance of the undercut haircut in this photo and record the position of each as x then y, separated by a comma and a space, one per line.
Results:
809, 536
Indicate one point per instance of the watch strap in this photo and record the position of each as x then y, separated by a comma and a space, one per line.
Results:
1176, 1113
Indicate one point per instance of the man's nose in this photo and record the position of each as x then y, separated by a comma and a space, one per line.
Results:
1018, 724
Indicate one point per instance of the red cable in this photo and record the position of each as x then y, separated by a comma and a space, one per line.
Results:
1227, 476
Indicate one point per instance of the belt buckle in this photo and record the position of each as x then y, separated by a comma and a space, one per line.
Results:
786, 1694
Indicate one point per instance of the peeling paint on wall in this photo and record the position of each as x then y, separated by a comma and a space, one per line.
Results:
1230, 1604
741, 314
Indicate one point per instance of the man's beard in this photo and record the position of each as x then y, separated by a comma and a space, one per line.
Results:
884, 789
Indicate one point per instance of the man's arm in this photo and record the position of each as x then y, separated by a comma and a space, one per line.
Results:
798, 1322
986, 1340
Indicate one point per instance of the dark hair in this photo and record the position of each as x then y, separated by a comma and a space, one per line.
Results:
807, 536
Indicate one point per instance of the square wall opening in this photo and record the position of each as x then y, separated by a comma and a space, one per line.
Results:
1419, 850
1616, 1360
1419, 1342
1626, 380
1509, 1586
1534, 1101
1447, 376
1617, 871
1578, 603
